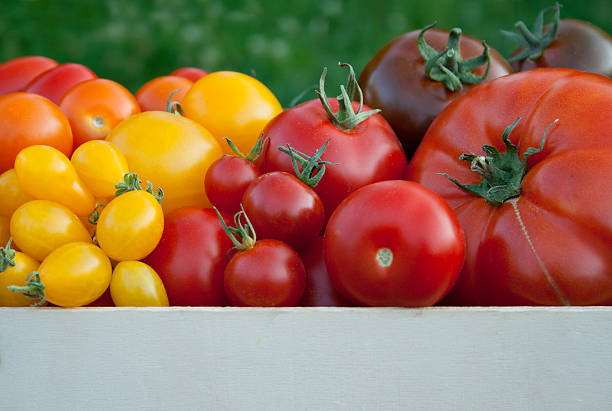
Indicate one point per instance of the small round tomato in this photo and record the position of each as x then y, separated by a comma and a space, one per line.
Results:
95, 107
100, 165
15, 267
135, 284
27, 119
172, 152
15, 74
394, 243
75, 274
55, 82
154, 94
47, 174
11, 193
40, 226
130, 226
190, 73
232, 105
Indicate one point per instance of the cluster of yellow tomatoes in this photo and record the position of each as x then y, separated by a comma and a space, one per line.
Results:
74, 224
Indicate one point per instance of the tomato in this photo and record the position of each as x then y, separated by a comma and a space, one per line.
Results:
15, 74
135, 284
191, 256
40, 226
47, 174
394, 243
15, 267
568, 43
55, 82
105, 300
543, 237
154, 94
11, 194
172, 152
395, 80
365, 148
130, 226
95, 107
190, 73
5, 230
232, 105
100, 165
27, 119
75, 274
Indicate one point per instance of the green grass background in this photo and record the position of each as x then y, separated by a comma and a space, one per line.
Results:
286, 43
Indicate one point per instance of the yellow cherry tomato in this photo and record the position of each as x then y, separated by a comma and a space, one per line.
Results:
170, 151
135, 284
5, 231
15, 275
232, 105
75, 274
130, 226
11, 193
101, 165
47, 174
40, 226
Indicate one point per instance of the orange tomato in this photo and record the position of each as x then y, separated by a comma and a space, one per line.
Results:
154, 94
5, 232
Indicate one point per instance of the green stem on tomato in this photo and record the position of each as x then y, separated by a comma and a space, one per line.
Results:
132, 183
33, 288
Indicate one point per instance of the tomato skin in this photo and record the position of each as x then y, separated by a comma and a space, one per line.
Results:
135, 284
75, 274
190, 73
171, 152
154, 94
282, 207
40, 226
11, 193
100, 165
130, 226
232, 105
226, 181
27, 119
105, 300
191, 257
95, 107
561, 205
16, 275
15, 74
415, 225
5, 230
370, 152
55, 82
271, 274
394, 80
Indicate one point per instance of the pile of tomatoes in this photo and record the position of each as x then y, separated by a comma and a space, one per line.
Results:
437, 176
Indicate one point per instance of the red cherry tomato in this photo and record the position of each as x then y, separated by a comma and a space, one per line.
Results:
55, 82
226, 181
191, 256
154, 94
190, 73
17, 73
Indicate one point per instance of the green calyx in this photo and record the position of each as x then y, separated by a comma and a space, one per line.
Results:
447, 66
534, 42
33, 288
345, 119
502, 173
95, 215
255, 152
174, 107
313, 168
132, 183
7, 256
243, 234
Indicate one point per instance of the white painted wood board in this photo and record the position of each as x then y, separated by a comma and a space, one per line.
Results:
519, 358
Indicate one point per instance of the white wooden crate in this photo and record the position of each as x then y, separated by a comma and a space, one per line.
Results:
519, 358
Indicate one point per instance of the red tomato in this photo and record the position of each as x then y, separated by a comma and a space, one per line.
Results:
548, 239
191, 256
190, 73
154, 94
27, 119
17, 73
105, 300
394, 243
270, 274
226, 181
55, 82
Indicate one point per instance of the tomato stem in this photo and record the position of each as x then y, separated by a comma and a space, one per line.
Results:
95, 215
7, 256
255, 152
132, 183
174, 107
33, 288
243, 235
313, 168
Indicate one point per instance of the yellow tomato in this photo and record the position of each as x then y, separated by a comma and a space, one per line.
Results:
130, 226
135, 284
170, 151
11, 194
16, 275
47, 174
232, 105
5, 231
100, 165
40, 226
75, 274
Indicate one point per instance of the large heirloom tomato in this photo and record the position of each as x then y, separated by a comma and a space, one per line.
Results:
414, 76
15, 74
544, 238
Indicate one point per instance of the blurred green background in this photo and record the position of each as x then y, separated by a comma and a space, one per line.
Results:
286, 43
